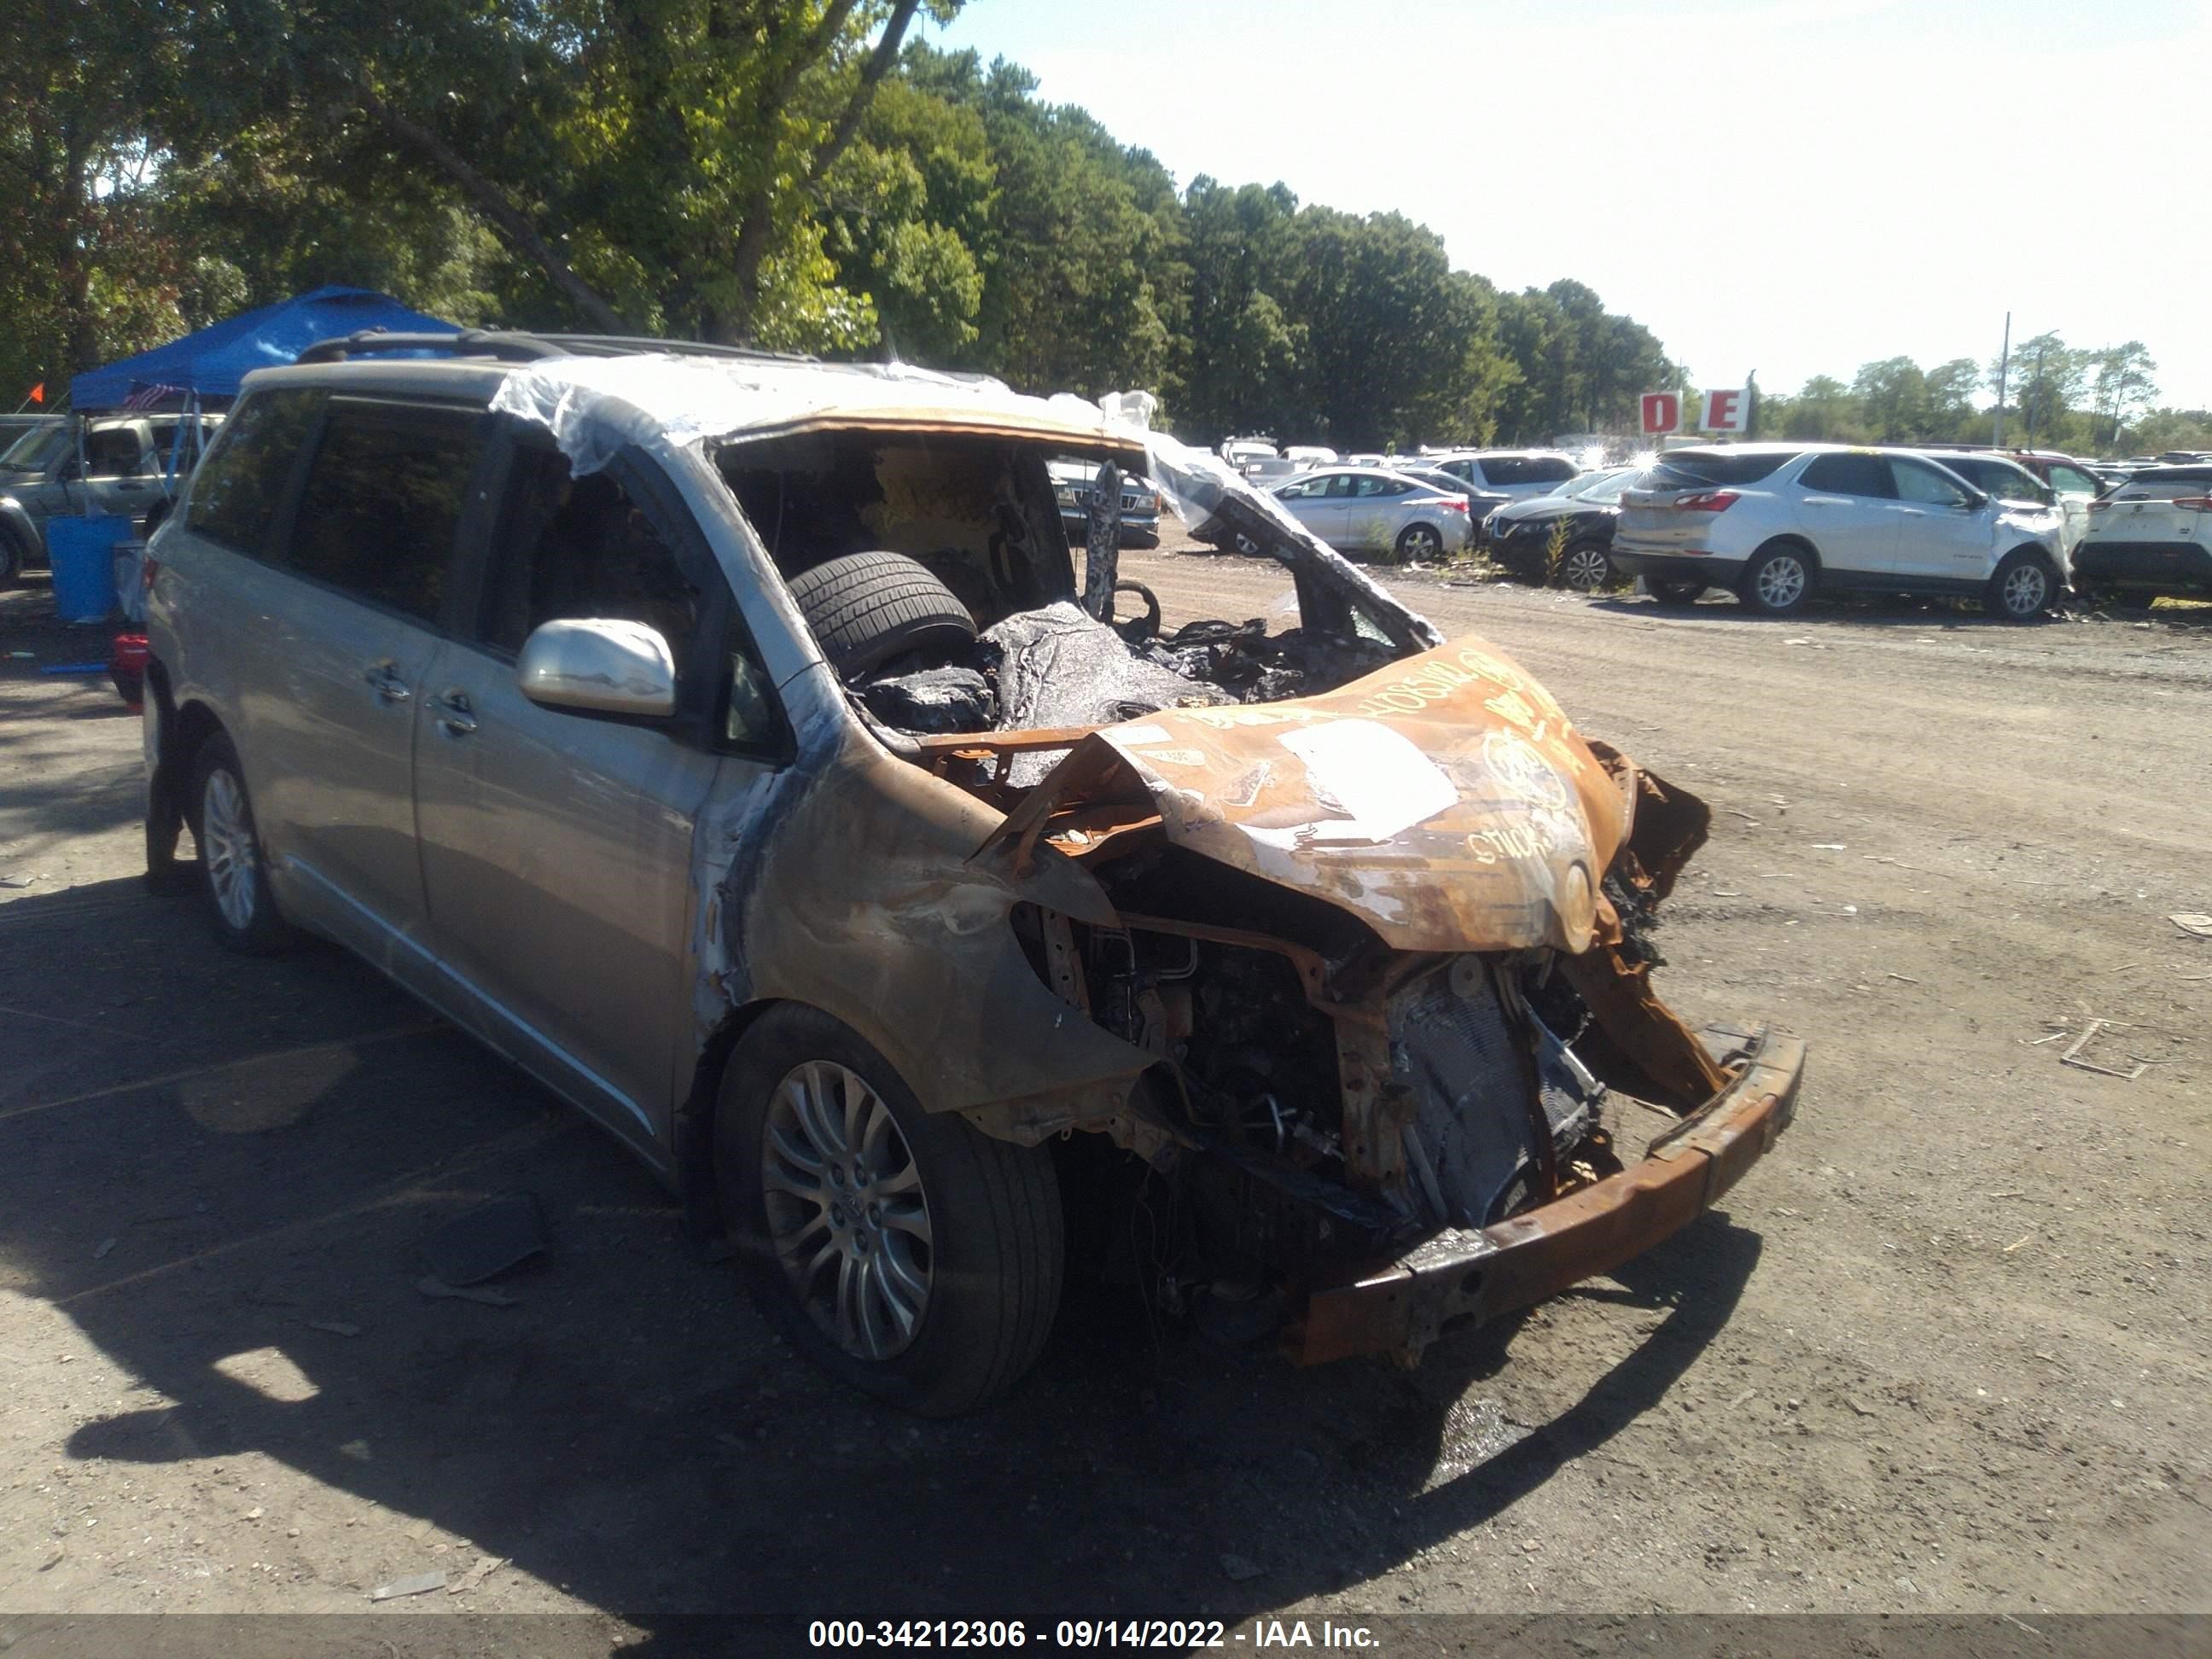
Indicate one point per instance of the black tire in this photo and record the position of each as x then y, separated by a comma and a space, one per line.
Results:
866, 608
997, 1246
1779, 580
245, 916
11, 558
1668, 592
2022, 586
1586, 567
1420, 541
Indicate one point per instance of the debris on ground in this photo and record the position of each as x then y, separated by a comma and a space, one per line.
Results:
420, 1584
2193, 922
2072, 1056
486, 1566
1240, 1568
485, 1242
335, 1327
99, 1250
431, 1286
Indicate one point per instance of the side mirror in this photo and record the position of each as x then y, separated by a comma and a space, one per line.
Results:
1976, 501
600, 666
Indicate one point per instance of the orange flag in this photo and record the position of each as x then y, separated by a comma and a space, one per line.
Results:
38, 393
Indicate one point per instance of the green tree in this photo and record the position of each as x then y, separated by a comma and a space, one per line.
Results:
1892, 400
2121, 386
1950, 393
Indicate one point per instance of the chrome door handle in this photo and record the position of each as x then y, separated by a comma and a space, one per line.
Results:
455, 714
384, 681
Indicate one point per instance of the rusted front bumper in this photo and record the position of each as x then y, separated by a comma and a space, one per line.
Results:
1471, 1276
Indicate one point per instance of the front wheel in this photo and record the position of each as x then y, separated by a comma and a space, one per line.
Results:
2021, 588
903, 1252
1419, 544
1586, 568
1777, 581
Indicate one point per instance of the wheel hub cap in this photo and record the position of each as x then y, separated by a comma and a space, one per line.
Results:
1781, 581
846, 1210
227, 847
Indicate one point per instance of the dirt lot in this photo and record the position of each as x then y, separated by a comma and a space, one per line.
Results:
1947, 1350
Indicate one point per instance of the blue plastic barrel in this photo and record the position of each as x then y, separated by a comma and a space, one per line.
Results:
82, 552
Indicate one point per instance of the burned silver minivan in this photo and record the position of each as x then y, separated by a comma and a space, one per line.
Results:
735, 745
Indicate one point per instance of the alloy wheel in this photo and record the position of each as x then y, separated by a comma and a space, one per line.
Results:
2026, 589
1419, 544
1781, 581
847, 1213
1587, 570
227, 845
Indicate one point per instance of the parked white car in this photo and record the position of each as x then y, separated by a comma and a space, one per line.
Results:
1514, 472
1375, 509
1776, 523
2152, 535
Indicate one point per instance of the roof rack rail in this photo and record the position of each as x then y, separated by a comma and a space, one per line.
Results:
516, 345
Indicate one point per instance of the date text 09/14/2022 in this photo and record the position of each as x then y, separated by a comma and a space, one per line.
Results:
1176, 1635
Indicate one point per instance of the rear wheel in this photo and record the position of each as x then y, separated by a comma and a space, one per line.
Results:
1778, 581
1674, 592
233, 870
1586, 568
11, 559
903, 1252
1419, 544
2021, 588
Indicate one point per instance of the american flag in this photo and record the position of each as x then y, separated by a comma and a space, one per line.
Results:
146, 394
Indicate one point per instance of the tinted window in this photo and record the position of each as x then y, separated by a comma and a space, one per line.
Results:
1848, 475
2072, 481
382, 501
111, 453
579, 548
1700, 469
237, 488
1506, 470
1548, 468
1917, 482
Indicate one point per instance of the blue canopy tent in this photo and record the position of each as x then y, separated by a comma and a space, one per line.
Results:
207, 366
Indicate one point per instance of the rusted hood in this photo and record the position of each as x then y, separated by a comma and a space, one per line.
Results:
1445, 800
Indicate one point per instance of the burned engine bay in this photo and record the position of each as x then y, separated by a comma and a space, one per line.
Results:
1388, 947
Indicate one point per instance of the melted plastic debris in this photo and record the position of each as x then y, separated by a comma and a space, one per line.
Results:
933, 700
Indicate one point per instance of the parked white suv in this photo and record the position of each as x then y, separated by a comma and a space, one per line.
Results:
1776, 522
2153, 534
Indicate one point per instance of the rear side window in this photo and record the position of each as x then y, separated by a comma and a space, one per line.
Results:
1547, 469
382, 502
1701, 469
1850, 475
239, 484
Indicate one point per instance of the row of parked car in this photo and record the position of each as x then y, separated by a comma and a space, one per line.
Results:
1776, 523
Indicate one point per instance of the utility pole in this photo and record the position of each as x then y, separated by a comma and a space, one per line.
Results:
2031, 405
1750, 412
2004, 364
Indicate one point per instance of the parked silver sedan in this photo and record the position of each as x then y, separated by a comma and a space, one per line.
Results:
1374, 510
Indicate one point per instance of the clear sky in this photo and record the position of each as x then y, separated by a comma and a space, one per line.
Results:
1793, 186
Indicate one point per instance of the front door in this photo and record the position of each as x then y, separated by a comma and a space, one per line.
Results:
1944, 536
347, 659
1318, 501
556, 845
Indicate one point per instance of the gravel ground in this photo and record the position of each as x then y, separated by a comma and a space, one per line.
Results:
1945, 1350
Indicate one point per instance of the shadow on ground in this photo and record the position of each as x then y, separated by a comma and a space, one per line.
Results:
630, 1429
